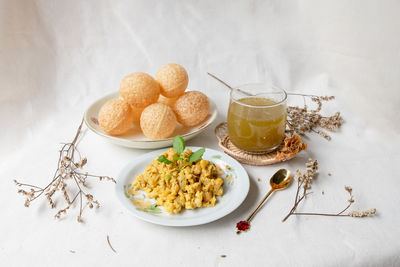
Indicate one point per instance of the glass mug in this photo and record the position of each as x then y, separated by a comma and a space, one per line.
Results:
257, 117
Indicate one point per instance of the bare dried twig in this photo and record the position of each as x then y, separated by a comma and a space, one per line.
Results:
304, 180
68, 171
109, 243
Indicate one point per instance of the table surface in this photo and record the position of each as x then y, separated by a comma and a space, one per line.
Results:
57, 58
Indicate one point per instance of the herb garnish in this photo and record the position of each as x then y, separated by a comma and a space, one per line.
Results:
179, 144
197, 155
179, 147
162, 158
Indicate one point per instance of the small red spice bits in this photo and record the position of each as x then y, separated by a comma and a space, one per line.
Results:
242, 226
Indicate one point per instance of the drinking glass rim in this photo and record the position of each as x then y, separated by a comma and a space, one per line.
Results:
237, 89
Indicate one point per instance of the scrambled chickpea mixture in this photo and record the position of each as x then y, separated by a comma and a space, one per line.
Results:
181, 185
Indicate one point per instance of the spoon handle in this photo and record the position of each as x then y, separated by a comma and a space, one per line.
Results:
259, 205
227, 85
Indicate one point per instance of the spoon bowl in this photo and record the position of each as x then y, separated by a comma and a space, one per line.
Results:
281, 179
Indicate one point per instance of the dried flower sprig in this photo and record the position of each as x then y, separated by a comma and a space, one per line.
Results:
303, 120
304, 180
68, 171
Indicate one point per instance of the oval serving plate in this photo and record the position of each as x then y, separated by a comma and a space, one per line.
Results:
134, 138
236, 186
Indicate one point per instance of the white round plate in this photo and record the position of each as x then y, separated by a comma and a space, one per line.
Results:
134, 138
235, 191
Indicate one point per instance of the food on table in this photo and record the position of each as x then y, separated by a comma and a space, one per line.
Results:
167, 101
158, 121
173, 80
191, 108
115, 117
136, 113
178, 184
139, 89
256, 123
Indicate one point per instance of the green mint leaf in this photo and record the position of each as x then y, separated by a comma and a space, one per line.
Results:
197, 155
163, 159
179, 144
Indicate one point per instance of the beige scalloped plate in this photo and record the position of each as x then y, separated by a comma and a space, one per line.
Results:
134, 138
221, 132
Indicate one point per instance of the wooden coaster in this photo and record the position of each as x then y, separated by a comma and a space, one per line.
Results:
221, 132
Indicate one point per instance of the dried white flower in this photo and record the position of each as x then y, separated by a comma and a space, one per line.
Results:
365, 213
302, 120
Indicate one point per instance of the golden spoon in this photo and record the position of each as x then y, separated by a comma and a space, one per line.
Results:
279, 181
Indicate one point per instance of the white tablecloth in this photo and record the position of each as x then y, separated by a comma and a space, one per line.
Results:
57, 57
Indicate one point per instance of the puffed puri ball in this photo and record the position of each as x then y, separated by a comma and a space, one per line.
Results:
158, 121
115, 117
136, 113
173, 80
167, 101
139, 89
191, 108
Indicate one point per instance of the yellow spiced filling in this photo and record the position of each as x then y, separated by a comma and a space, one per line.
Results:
180, 184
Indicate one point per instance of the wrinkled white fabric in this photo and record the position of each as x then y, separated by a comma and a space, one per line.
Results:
57, 57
